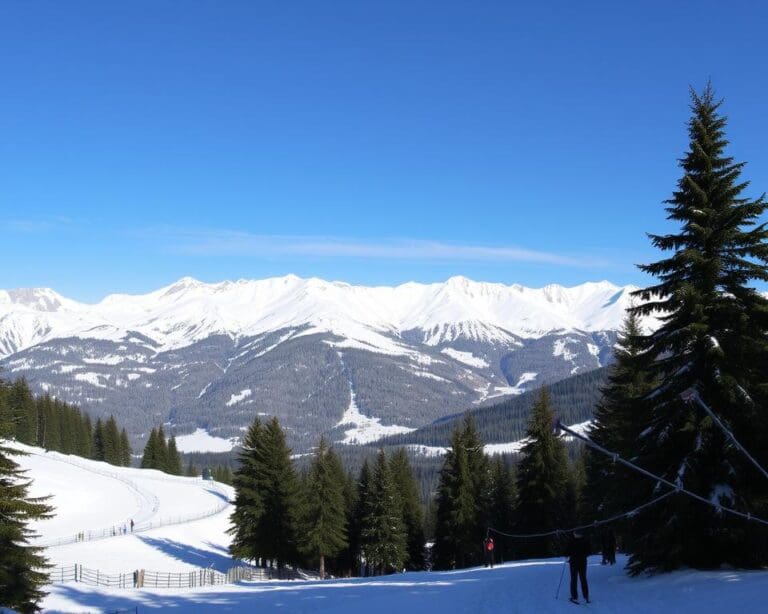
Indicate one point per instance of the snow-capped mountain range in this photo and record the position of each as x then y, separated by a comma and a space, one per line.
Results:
350, 360
189, 311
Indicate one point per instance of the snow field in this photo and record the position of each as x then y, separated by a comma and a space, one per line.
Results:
519, 587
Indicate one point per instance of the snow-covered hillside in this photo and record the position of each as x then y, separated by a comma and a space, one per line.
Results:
188, 311
92, 494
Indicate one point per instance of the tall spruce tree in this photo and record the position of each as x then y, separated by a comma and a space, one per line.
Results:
161, 450
112, 453
544, 484
714, 338
462, 500
410, 508
322, 523
382, 532
266, 489
149, 459
249, 500
22, 567
173, 464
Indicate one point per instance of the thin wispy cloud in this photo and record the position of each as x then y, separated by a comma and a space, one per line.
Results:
235, 243
32, 225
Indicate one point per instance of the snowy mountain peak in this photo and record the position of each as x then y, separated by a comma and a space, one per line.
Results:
36, 299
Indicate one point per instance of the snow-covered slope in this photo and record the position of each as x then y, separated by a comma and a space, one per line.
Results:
95, 500
517, 588
188, 311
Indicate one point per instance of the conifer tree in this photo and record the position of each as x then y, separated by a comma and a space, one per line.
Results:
23, 412
322, 523
125, 449
544, 483
111, 440
462, 503
249, 501
713, 338
360, 505
383, 533
161, 450
86, 437
408, 492
22, 567
174, 460
266, 489
502, 503
348, 559
149, 459
51, 434
98, 441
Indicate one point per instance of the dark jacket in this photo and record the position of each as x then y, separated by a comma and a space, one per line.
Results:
578, 549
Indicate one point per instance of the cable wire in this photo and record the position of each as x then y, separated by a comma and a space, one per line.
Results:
583, 527
693, 395
677, 487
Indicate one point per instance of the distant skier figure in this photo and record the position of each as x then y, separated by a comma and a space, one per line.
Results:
609, 547
577, 552
488, 546
131, 525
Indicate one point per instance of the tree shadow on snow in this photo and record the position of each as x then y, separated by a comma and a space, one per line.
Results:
220, 559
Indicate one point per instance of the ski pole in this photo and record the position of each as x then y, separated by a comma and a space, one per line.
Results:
559, 584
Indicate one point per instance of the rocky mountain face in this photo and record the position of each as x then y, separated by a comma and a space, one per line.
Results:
325, 357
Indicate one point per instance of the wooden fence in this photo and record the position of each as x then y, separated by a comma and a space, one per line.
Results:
141, 578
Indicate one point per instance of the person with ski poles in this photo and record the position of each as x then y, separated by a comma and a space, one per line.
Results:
577, 553
488, 546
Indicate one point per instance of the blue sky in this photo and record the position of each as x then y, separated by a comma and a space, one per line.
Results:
369, 142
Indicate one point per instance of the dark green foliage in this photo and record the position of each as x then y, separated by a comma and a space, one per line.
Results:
125, 449
22, 567
620, 418
99, 452
714, 337
265, 497
161, 450
362, 495
544, 483
502, 502
173, 462
411, 509
347, 562
462, 501
111, 444
149, 457
50, 437
322, 519
221, 473
382, 532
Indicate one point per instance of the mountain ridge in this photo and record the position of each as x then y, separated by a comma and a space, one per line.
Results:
188, 310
